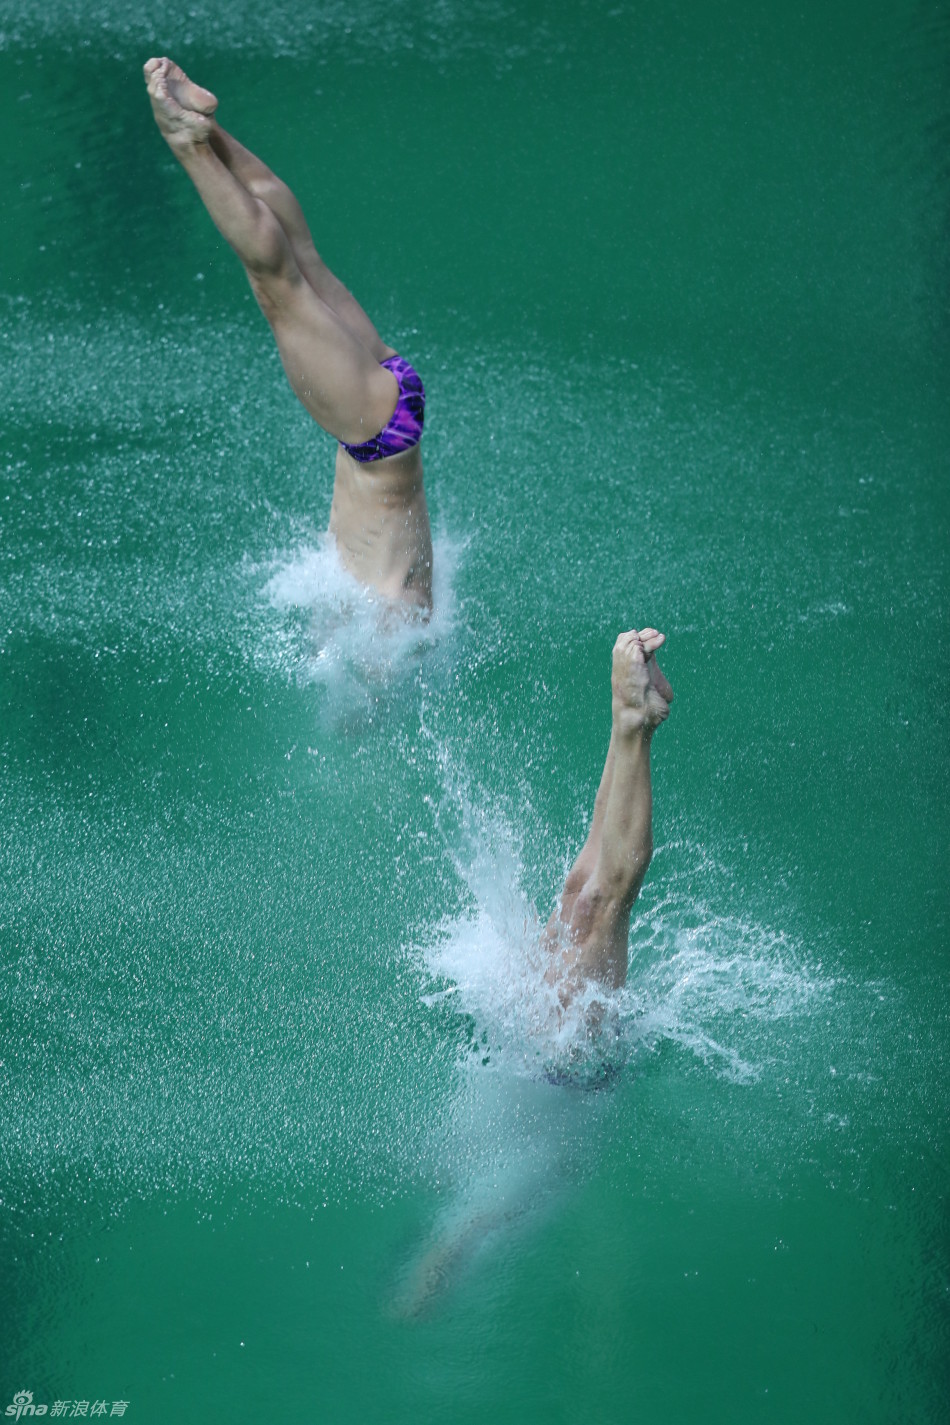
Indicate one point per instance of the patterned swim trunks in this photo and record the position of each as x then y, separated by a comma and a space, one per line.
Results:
404, 429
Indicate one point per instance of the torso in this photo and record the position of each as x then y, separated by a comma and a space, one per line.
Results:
381, 525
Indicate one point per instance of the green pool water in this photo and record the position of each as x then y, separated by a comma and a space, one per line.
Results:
277, 1140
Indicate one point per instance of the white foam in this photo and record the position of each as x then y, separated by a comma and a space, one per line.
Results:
333, 631
700, 976
514, 1132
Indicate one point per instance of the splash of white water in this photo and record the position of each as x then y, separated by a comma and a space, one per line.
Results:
336, 633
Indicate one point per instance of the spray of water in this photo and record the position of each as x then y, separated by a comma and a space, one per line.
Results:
518, 1128
163, 944
333, 632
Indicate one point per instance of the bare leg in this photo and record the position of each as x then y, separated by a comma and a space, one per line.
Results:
261, 183
587, 934
329, 352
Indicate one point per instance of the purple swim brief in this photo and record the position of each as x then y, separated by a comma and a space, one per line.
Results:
405, 427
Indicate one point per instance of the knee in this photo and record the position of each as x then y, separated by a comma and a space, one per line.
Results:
275, 279
269, 255
615, 886
590, 912
267, 188
577, 877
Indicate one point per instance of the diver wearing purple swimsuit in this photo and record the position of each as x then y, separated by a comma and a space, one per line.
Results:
404, 429
330, 350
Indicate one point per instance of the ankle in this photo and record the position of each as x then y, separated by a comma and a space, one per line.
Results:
631, 722
189, 148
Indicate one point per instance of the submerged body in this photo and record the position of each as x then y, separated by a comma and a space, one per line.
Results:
345, 376
583, 957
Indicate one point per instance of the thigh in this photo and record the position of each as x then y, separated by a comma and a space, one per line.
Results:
334, 376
